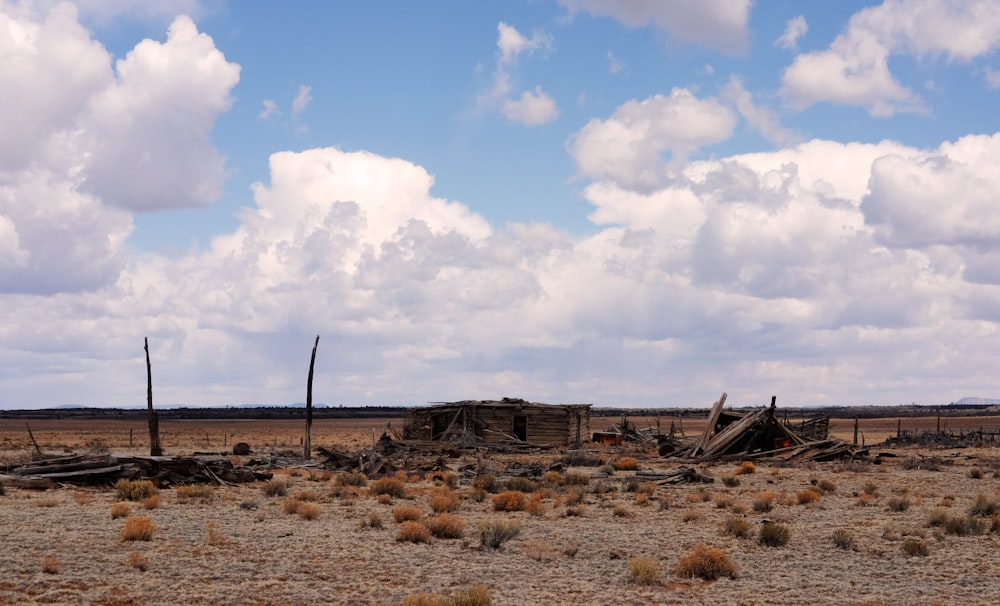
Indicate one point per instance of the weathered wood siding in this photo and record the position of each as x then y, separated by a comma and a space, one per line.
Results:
546, 425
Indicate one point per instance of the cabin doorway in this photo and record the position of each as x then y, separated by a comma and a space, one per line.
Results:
521, 427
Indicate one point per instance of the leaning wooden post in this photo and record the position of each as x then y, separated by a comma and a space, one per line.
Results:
309, 402
855, 431
155, 450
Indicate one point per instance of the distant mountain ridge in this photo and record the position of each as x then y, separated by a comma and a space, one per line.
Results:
979, 401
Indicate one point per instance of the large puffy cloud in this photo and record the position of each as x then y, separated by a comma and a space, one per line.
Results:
855, 69
718, 24
629, 146
85, 143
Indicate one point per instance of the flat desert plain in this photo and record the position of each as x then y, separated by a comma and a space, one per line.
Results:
919, 528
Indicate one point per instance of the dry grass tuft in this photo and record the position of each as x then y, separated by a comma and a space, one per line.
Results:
511, 500
707, 563
413, 532
937, 517
135, 490
51, 565
83, 498
494, 533
976, 473
120, 510
374, 521
737, 527
473, 595
984, 506
138, 561
575, 478
827, 485
138, 529
898, 504
914, 546
535, 505
627, 464
195, 492
774, 534
764, 501
151, 503
843, 539
47, 502
745, 468
644, 571
807, 496
353, 478
539, 550
446, 526
407, 513
576, 511
393, 487
522, 484
443, 501
215, 536
730, 481
306, 496
622, 511
275, 488
291, 506
308, 511
486, 483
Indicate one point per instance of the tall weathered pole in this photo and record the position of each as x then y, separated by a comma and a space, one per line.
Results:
155, 450
309, 402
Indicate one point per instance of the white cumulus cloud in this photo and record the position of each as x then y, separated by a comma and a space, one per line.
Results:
533, 108
794, 29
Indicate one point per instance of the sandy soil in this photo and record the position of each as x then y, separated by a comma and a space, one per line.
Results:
240, 546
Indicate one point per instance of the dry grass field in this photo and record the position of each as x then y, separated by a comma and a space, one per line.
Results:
920, 528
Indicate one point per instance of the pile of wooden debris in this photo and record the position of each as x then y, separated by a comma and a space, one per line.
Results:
758, 435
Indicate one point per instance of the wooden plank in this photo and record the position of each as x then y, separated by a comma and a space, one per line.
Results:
713, 418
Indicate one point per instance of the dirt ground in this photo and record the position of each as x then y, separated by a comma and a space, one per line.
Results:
237, 545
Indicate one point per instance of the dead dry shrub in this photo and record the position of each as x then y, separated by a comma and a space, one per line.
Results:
898, 504
627, 464
407, 513
745, 468
573, 497
384, 499
472, 595
138, 561
737, 527
774, 534
622, 511
351, 478
138, 529
539, 550
730, 481
960, 526
135, 490
692, 515
446, 526
984, 506
553, 478
763, 502
575, 511
487, 483
306, 496
575, 478
47, 502
708, 563
195, 492
976, 473
413, 532
291, 506
914, 546
843, 539
374, 521
937, 517
521, 484
870, 489
215, 536
308, 511
827, 485
644, 571
151, 503
807, 496
535, 506
722, 500
444, 500
51, 565
511, 500
83, 498
120, 510
867, 500
275, 488
391, 486
494, 533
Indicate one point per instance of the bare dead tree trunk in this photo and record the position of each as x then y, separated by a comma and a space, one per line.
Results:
155, 450
309, 402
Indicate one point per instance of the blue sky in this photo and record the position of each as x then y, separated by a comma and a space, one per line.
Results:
637, 203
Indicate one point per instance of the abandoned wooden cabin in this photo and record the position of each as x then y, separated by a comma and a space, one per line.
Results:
500, 421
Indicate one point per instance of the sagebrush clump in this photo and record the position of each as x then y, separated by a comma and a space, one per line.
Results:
495, 533
138, 529
707, 563
774, 534
135, 490
644, 571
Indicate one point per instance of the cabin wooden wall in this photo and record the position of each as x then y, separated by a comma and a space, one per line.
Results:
546, 425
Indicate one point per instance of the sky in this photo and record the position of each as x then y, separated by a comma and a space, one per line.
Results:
623, 203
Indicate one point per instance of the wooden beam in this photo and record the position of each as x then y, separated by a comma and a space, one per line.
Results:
713, 418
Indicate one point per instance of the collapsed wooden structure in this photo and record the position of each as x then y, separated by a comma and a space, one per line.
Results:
510, 420
759, 435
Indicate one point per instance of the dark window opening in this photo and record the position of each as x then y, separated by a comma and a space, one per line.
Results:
521, 427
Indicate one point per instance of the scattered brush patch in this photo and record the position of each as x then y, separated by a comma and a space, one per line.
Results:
308, 511
494, 533
575, 478
708, 563
446, 526
291, 506
937, 517
867, 500
138, 529
521, 484
730, 481
151, 503
511, 500
722, 500
487, 483
870, 489
120, 510
535, 505
827, 486
745, 468
576, 511
320, 476
737, 527
473, 595
960, 526
449, 479
391, 486
352, 478
135, 490
984, 506
553, 478
763, 502
374, 521
413, 532
976, 473
644, 571
384, 499
47, 502
407, 513
898, 504
138, 561
195, 492
275, 488
627, 464
83, 498
692, 515
807, 496
915, 546
306, 496
774, 534
622, 511
607, 469
699, 496
602, 488
51, 565
843, 539
443, 501
539, 551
